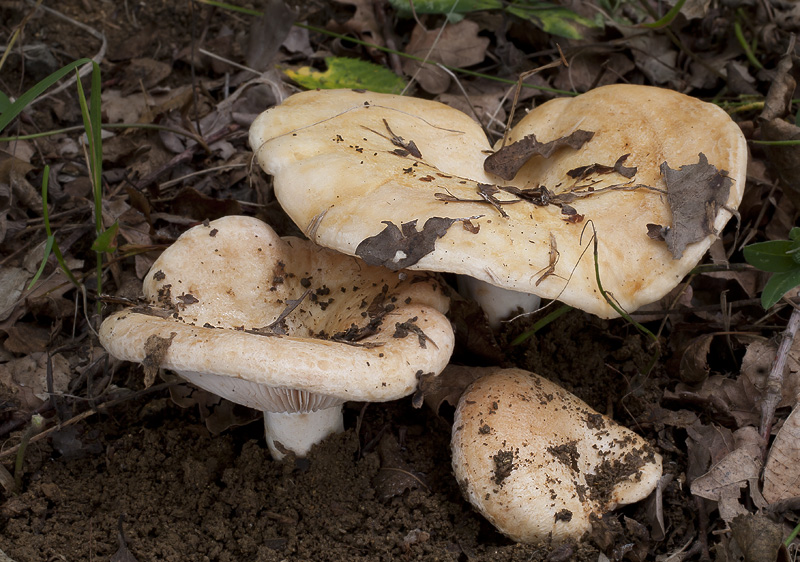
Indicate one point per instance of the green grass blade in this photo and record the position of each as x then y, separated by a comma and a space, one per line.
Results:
668, 17
48, 247
25, 99
552, 317
51, 245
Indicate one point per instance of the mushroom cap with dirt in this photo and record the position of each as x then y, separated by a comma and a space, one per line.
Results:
401, 182
539, 463
284, 326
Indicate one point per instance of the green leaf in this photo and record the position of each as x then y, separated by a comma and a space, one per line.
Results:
107, 241
5, 103
349, 73
444, 6
778, 285
771, 256
554, 20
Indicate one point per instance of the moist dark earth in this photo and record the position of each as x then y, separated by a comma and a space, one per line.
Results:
124, 472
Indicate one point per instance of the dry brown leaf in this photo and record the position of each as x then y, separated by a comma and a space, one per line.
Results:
267, 33
695, 193
395, 475
458, 45
447, 387
590, 69
363, 23
782, 472
758, 538
694, 367
724, 481
757, 363
27, 337
737, 397
12, 284
26, 379
155, 348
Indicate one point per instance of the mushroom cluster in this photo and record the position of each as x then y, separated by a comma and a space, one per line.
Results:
283, 326
389, 188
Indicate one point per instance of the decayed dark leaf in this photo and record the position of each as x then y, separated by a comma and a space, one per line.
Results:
155, 348
397, 249
402, 329
585, 171
507, 161
123, 554
695, 192
395, 475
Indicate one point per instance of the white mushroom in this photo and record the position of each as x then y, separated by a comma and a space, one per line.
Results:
351, 166
283, 326
539, 463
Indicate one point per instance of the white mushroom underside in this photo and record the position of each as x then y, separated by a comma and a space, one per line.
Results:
261, 397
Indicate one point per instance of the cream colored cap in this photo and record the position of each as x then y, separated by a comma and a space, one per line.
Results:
537, 462
347, 162
358, 332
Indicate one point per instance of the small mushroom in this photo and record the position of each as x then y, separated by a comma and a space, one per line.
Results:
401, 182
539, 463
284, 326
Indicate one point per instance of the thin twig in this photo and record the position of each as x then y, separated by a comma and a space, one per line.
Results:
772, 394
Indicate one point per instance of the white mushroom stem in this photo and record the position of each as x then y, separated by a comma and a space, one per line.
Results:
298, 432
497, 303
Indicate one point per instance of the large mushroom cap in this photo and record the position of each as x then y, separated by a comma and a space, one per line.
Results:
219, 300
350, 166
537, 462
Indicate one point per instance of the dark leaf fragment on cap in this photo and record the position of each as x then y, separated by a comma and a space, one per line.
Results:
507, 161
398, 248
155, 350
695, 193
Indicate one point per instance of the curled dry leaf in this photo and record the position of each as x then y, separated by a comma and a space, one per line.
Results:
508, 161
738, 469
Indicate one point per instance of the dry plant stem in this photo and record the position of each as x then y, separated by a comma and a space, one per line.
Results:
772, 394
37, 423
